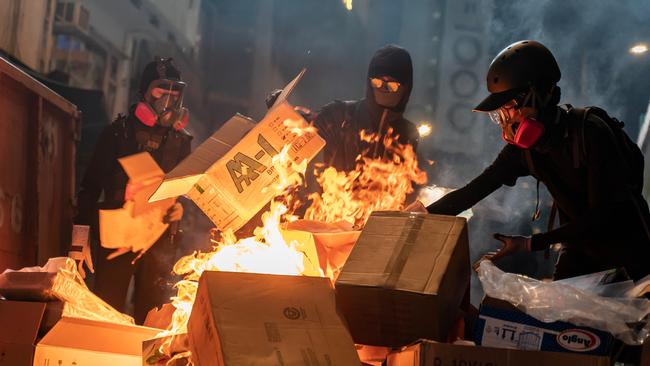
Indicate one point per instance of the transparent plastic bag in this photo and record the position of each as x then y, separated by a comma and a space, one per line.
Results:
626, 318
59, 279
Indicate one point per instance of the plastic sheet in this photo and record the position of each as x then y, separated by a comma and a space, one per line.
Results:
626, 318
59, 279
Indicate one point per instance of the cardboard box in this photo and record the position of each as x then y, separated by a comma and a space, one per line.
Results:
229, 176
405, 278
428, 353
502, 325
260, 319
83, 342
23, 323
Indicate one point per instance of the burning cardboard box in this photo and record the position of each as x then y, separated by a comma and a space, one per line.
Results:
230, 175
428, 353
405, 278
260, 319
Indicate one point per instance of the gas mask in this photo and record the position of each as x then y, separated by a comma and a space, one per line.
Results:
163, 104
387, 93
517, 129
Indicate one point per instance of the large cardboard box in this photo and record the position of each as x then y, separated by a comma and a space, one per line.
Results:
230, 175
83, 342
405, 278
428, 353
21, 325
502, 325
259, 319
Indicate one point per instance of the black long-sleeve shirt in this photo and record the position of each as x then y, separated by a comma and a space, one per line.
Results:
104, 175
599, 202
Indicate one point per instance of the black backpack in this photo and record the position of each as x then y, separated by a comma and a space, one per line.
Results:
630, 155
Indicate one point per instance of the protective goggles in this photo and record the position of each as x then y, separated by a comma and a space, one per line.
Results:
386, 85
503, 115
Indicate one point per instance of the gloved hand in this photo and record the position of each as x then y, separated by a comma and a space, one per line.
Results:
511, 244
416, 206
272, 97
80, 249
174, 213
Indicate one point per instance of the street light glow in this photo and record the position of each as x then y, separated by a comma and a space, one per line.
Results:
424, 129
348, 4
639, 49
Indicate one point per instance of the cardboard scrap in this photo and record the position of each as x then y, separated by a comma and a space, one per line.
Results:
138, 224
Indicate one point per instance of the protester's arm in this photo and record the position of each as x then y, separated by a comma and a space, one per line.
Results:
504, 171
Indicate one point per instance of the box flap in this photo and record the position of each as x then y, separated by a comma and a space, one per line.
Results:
403, 251
89, 335
181, 179
20, 321
288, 89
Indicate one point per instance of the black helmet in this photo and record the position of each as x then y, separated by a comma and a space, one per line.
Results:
159, 68
516, 68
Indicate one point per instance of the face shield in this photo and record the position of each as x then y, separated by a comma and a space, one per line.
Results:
165, 97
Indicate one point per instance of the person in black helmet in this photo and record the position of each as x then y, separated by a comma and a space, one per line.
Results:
589, 165
155, 124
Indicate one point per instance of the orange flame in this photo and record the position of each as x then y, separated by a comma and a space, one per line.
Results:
375, 184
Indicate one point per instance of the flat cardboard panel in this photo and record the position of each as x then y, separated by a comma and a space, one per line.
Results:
429, 353
259, 319
405, 278
92, 343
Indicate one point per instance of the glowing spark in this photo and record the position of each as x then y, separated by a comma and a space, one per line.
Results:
639, 49
424, 129
348, 4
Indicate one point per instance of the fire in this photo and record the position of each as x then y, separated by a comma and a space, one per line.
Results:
265, 252
376, 184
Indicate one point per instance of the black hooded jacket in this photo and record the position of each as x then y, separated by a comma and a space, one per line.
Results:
600, 205
105, 177
340, 122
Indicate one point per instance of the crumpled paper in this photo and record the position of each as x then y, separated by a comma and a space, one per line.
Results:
58, 279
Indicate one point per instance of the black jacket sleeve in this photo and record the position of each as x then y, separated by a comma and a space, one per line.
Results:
610, 202
96, 174
329, 120
504, 171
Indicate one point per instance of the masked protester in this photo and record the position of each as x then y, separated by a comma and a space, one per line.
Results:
589, 165
156, 125
388, 87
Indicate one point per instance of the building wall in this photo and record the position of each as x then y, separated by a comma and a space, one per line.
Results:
24, 30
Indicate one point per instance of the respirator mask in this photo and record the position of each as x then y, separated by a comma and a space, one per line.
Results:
517, 129
163, 104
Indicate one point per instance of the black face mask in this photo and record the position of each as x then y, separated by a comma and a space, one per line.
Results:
388, 99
